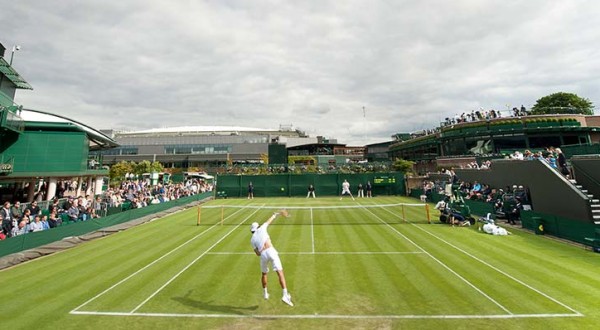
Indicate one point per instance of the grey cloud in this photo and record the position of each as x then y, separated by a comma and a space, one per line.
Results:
316, 63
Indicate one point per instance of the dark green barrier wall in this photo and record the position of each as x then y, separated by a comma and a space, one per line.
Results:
288, 185
33, 240
570, 229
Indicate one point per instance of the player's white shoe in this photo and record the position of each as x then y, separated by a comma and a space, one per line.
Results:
266, 295
287, 299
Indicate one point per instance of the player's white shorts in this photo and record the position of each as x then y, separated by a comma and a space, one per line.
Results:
270, 255
346, 192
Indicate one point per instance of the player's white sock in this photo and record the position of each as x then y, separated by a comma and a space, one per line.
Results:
285, 293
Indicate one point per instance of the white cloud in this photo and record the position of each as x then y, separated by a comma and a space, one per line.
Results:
313, 64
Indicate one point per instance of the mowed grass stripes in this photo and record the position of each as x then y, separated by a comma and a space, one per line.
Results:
379, 266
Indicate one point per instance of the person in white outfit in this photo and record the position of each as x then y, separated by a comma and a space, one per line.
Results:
346, 189
261, 243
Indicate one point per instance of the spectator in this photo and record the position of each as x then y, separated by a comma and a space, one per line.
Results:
475, 192
44, 221
517, 155
515, 212
7, 219
73, 212
562, 162
36, 225
91, 213
54, 205
27, 217
83, 215
34, 208
15, 211
54, 220
552, 161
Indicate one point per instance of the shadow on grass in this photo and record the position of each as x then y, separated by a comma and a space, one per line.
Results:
208, 306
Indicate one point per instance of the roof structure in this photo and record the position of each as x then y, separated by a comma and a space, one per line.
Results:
12, 75
36, 118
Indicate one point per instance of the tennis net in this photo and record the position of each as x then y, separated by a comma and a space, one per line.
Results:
398, 213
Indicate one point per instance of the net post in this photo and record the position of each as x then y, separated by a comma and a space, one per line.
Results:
222, 212
403, 215
199, 213
427, 211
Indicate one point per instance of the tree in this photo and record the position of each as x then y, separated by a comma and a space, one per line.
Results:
402, 165
562, 103
118, 170
146, 167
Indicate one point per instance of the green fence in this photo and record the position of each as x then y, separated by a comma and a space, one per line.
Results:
33, 240
290, 185
574, 230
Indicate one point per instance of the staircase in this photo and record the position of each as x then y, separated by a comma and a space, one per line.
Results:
594, 202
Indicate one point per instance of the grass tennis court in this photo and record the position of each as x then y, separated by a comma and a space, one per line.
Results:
348, 264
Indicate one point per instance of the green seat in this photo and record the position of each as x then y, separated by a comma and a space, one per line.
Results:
64, 217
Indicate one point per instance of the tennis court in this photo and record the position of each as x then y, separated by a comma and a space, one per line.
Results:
364, 263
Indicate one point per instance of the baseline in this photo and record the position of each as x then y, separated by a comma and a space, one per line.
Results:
329, 316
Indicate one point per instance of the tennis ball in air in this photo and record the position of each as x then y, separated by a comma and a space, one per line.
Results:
282, 189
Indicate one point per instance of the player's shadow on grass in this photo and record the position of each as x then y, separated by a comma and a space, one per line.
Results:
208, 306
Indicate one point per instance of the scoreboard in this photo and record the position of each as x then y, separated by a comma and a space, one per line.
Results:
384, 180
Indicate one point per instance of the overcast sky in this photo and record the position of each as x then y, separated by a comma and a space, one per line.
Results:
313, 64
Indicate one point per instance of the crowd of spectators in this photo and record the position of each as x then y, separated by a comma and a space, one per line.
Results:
507, 202
19, 220
349, 167
466, 117
477, 115
553, 156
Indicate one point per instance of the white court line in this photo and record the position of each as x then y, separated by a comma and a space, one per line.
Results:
324, 253
497, 269
190, 264
312, 230
443, 265
150, 264
329, 316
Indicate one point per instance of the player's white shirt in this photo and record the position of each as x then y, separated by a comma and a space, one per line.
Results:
489, 228
260, 237
440, 205
494, 230
345, 186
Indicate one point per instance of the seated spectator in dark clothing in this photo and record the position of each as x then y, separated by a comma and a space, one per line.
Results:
521, 193
54, 206
54, 220
492, 196
91, 213
67, 204
34, 208
27, 217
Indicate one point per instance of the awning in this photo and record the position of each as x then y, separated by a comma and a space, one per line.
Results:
12, 75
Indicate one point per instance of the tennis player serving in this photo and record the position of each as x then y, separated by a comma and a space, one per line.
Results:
261, 243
